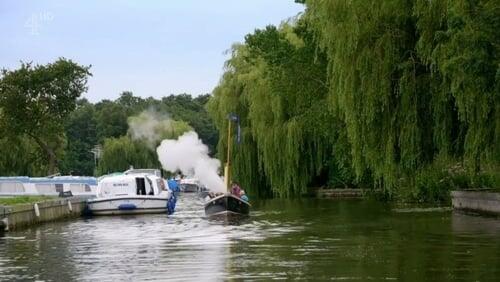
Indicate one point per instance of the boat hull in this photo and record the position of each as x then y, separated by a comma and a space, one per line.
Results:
226, 206
127, 205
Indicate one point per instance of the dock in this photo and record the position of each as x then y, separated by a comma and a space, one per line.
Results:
483, 202
18, 216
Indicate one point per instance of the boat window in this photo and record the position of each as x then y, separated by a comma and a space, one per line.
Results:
161, 184
76, 188
45, 188
141, 186
151, 189
87, 188
59, 188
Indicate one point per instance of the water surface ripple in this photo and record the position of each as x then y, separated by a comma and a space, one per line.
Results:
308, 239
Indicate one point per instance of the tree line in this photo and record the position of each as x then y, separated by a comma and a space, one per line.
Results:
399, 96
46, 127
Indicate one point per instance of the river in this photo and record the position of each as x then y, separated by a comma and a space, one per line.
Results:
311, 239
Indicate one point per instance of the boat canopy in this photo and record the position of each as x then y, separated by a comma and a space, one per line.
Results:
51, 180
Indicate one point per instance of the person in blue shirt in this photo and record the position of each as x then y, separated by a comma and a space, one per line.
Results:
173, 185
243, 196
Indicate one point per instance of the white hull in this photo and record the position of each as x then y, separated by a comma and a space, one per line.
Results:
128, 205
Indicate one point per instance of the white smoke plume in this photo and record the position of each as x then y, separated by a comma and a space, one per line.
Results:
145, 124
152, 126
189, 155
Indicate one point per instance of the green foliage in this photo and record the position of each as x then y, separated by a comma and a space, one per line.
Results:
20, 200
35, 100
111, 120
21, 156
132, 127
44, 127
121, 153
191, 110
276, 84
387, 94
81, 133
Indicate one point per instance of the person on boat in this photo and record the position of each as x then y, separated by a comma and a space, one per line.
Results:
235, 189
244, 196
173, 185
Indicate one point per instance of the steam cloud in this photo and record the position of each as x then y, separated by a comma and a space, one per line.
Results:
151, 127
145, 126
189, 155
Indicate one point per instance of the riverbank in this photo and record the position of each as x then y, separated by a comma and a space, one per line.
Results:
38, 210
336, 193
19, 200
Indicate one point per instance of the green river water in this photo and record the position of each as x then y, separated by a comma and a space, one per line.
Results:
309, 239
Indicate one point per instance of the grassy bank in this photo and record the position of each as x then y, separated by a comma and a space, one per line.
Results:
19, 200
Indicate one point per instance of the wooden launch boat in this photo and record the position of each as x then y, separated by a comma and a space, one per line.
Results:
227, 205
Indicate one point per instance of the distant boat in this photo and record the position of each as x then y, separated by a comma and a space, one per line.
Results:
48, 186
132, 193
227, 205
189, 185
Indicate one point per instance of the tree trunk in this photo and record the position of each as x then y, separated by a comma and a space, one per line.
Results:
51, 155
52, 162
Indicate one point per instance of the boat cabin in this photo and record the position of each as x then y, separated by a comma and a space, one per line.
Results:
130, 185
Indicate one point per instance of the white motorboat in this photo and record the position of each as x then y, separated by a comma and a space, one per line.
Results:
137, 193
190, 185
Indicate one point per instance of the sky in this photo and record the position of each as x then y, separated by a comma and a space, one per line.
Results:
152, 48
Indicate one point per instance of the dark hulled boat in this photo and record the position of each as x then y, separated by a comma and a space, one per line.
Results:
226, 205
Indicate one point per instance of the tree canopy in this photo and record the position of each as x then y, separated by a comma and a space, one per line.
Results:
387, 94
36, 99
46, 128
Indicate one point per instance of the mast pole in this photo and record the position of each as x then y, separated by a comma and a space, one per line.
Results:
227, 175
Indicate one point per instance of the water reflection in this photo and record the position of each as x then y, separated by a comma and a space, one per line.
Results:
464, 223
283, 239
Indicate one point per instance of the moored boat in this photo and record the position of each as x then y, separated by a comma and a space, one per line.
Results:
138, 193
48, 186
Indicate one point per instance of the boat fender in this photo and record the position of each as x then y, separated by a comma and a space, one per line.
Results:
171, 204
70, 207
127, 207
37, 210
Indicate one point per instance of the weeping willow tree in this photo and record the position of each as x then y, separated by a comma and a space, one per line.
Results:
465, 59
275, 82
121, 153
383, 93
413, 80
377, 84
20, 156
